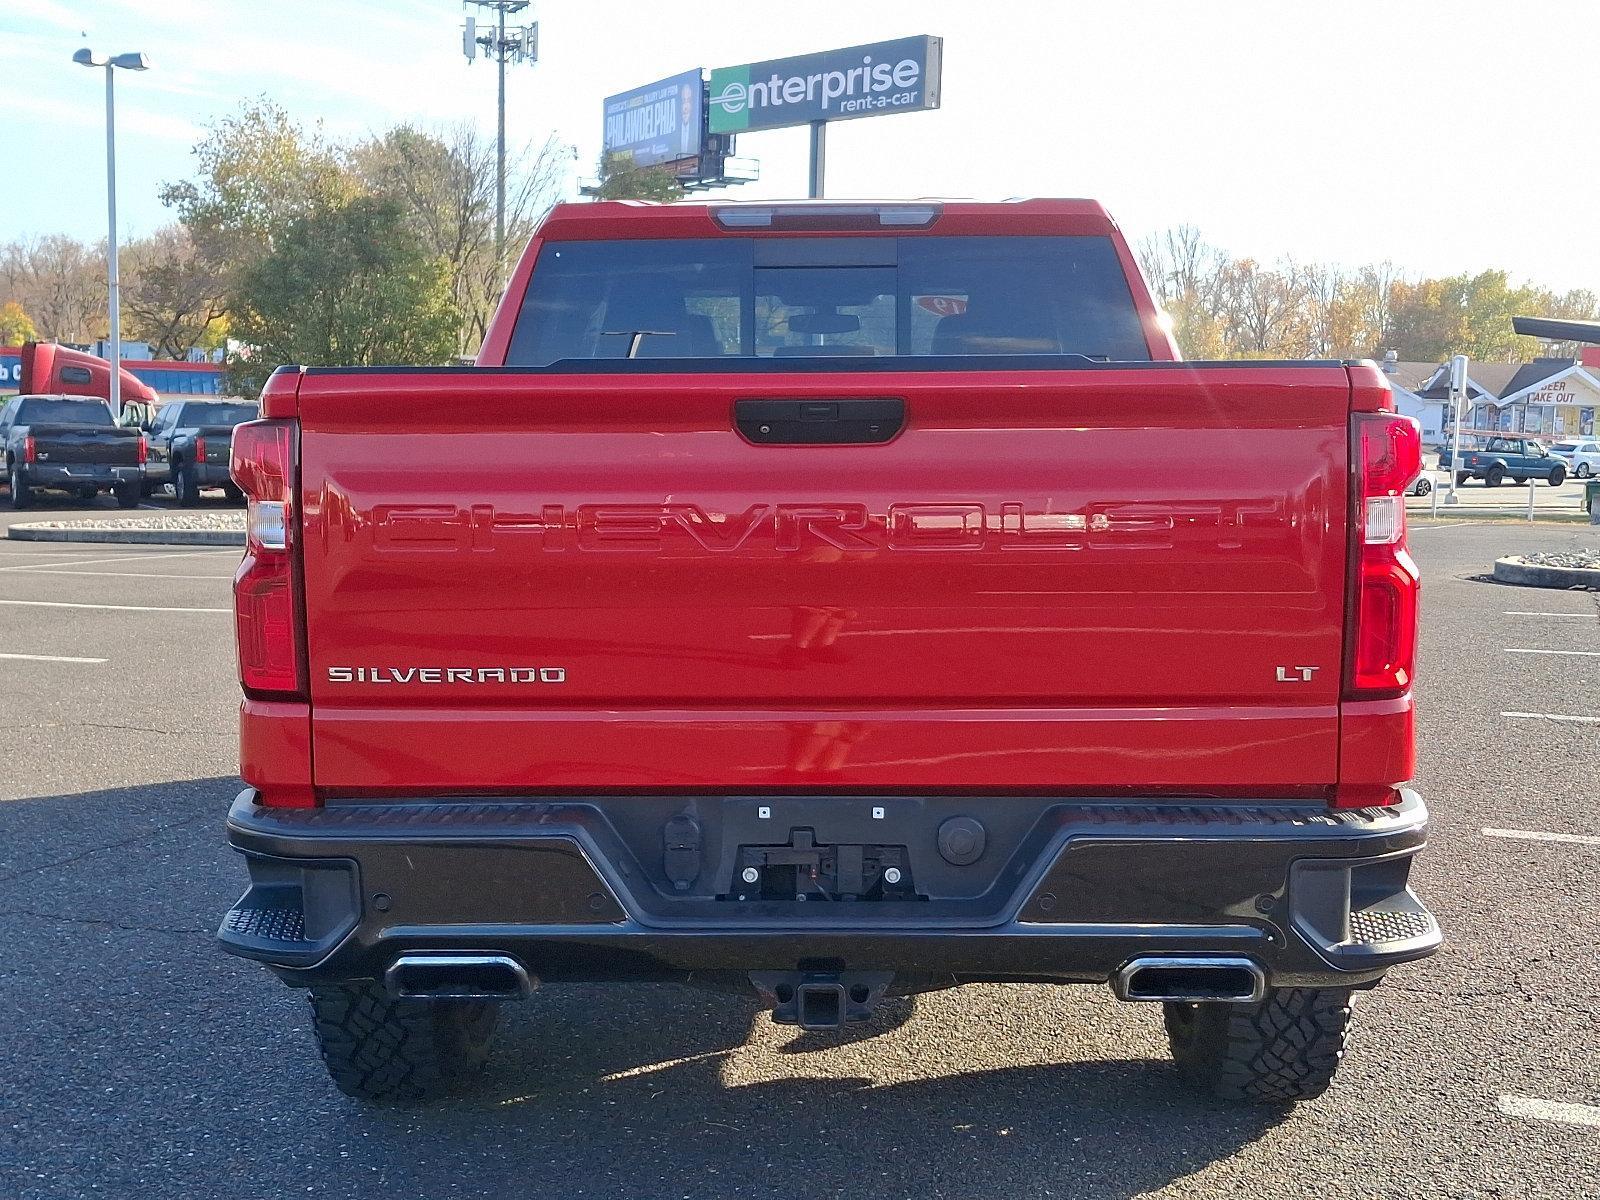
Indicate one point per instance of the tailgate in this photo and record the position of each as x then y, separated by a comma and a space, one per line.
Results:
82, 444
1100, 578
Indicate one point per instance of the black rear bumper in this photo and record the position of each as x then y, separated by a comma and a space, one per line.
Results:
76, 475
613, 889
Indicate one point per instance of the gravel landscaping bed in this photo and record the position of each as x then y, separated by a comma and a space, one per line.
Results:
1560, 569
157, 528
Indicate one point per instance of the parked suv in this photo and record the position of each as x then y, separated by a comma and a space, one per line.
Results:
1582, 455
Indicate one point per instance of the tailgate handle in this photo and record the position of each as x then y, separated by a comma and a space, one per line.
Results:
819, 422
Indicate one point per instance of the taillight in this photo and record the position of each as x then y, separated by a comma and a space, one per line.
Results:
1386, 455
29, 450
144, 450
266, 607
199, 449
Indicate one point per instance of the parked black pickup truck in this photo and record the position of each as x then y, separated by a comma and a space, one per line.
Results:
190, 441
70, 443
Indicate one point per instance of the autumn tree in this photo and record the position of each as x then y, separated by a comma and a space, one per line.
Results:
16, 326
346, 283
445, 184
172, 295
60, 282
620, 179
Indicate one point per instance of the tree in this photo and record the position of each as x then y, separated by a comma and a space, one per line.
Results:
343, 284
259, 171
172, 295
16, 326
621, 180
60, 282
445, 184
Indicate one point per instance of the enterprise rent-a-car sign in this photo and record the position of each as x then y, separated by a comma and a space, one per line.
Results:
657, 123
836, 85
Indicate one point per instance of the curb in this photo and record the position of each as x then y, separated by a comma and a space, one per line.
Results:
138, 537
1509, 570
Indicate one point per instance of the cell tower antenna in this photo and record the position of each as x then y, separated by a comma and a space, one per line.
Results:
502, 45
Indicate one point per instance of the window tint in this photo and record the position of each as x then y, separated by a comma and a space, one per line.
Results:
75, 375
218, 414
794, 298
63, 412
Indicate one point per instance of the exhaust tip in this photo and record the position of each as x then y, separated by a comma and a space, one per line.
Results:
451, 976
1191, 980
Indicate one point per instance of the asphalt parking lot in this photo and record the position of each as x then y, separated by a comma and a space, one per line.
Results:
138, 1061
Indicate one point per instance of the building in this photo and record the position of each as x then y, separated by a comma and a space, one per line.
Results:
1548, 397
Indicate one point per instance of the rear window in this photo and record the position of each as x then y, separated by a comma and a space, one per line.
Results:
781, 298
218, 414
63, 412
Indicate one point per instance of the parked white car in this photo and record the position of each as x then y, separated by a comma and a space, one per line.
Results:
1582, 455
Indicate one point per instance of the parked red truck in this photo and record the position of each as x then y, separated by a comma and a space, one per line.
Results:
819, 599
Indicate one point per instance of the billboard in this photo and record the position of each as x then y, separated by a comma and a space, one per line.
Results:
835, 85
661, 122
10, 369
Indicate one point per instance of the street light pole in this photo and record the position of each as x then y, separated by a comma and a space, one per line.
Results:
111, 245
129, 62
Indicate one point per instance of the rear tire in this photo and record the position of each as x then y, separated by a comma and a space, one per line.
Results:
1461, 477
185, 485
393, 1051
1279, 1050
127, 494
1583, 471
21, 493
234, 495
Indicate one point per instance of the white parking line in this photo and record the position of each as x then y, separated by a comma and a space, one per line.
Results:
50, 658
113, 574
1550, 1110
1512, 612
91, 562
110, 607
1569, 653
1559, 718
1535, 835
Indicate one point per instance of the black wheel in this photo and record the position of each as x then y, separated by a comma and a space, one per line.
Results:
1495, 477
398, 1051
185, 485
1284, 1048
127, 495
21, 493
88, 493
1558, 476
1583, 471
232, 492
1461, 477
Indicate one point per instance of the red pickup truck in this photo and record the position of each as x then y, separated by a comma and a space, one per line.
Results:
821, 599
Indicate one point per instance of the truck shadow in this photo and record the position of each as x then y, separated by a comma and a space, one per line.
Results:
635, 1090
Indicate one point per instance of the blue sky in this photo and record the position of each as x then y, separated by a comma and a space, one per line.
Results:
1346, 132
